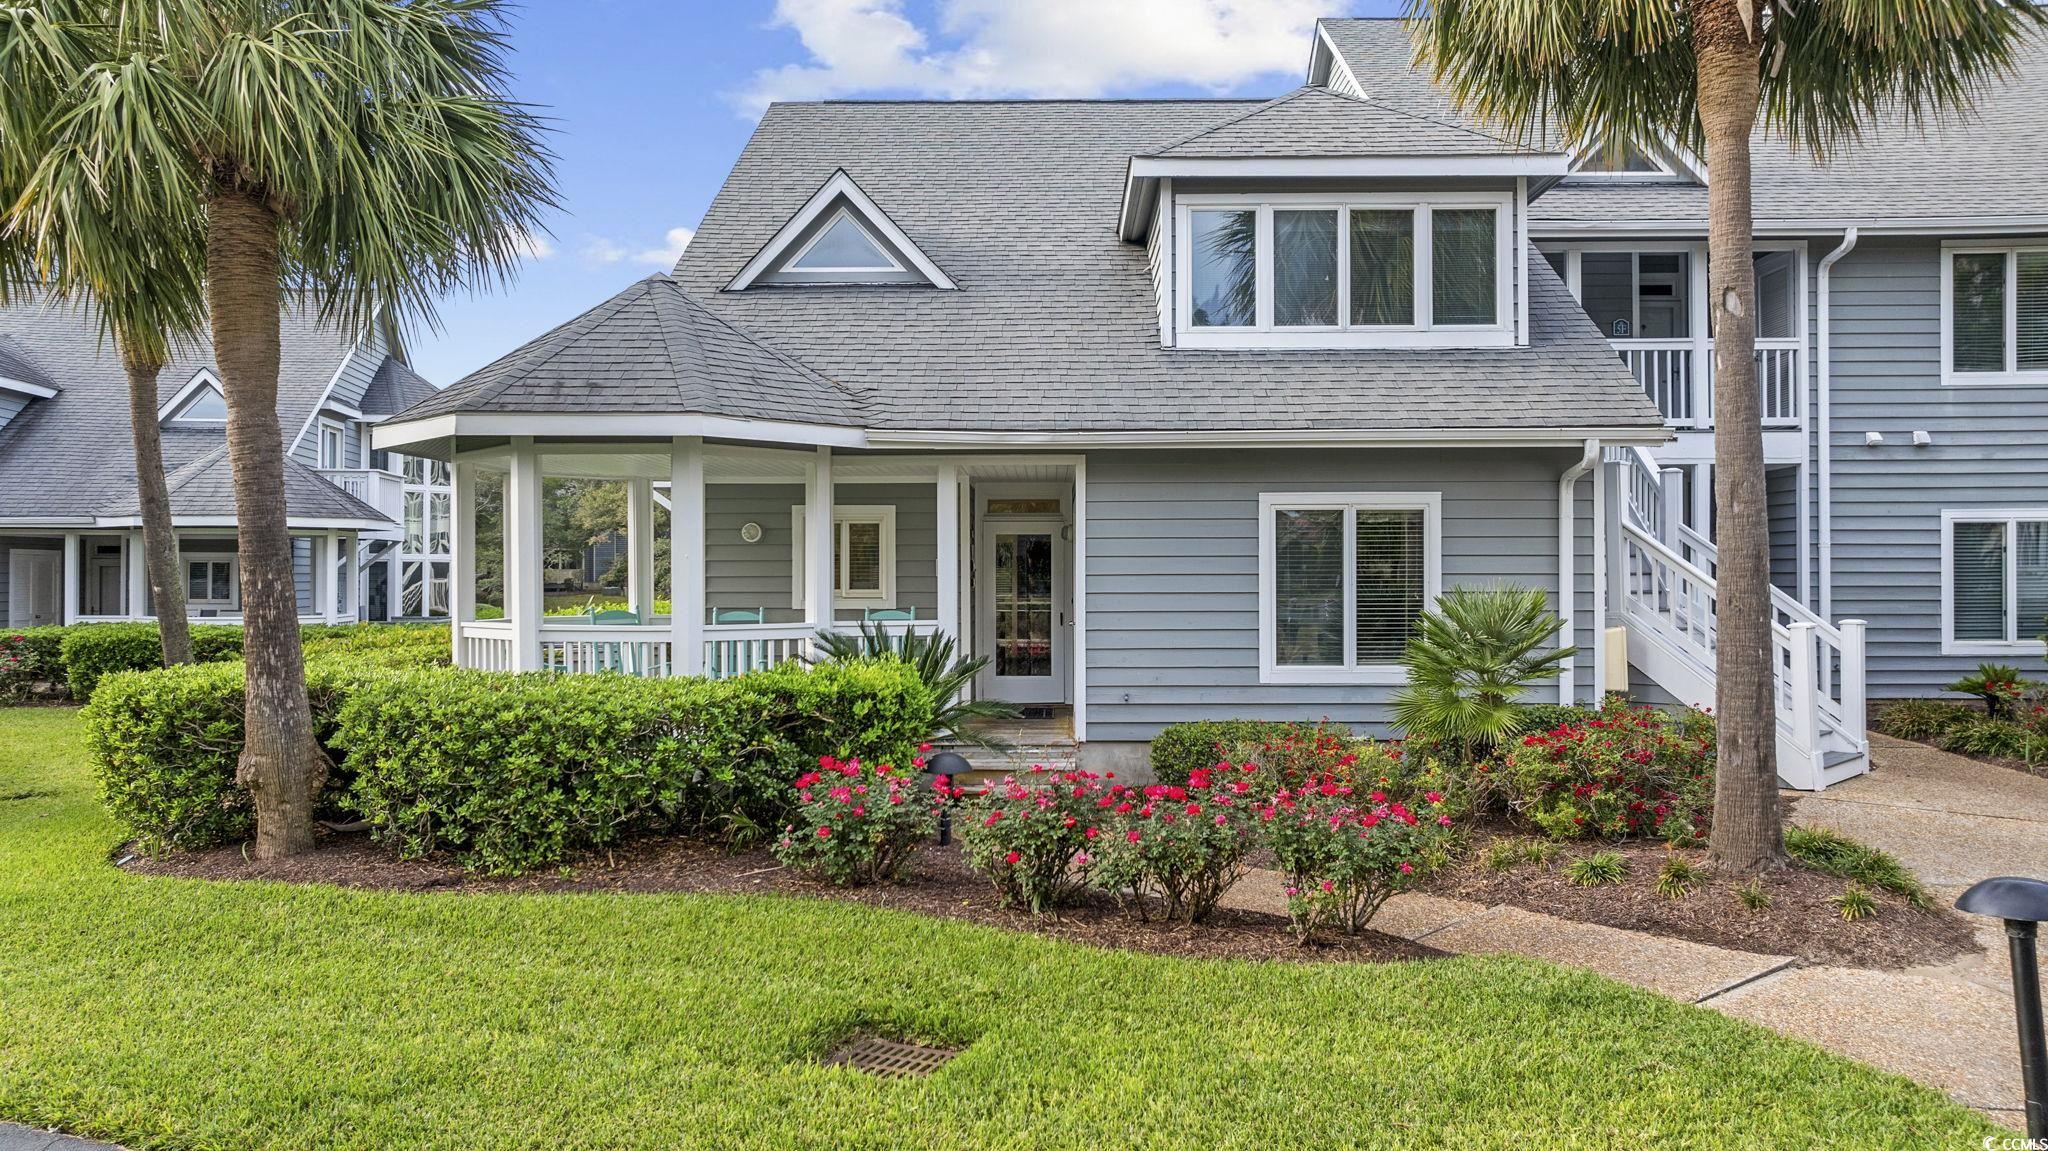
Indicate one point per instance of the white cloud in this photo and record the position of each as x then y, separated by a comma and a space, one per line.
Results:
602, 250
1046, 48
534, 246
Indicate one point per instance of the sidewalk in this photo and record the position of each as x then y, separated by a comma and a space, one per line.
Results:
14, 1137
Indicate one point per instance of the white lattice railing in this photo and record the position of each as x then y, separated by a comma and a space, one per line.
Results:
486, 645
736, 649
1678, 376
629, 649
570, 645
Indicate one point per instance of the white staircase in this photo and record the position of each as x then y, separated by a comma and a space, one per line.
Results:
1661, 589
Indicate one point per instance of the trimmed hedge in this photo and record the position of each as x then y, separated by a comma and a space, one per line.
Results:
1182, 748
29, 655
510, 772
164, 745
392, 645
80, 655
93, 651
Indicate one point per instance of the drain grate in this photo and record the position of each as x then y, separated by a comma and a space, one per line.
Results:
888, 1058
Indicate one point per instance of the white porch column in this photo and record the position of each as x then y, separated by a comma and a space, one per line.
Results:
818, 540
947, 558
137, 561
523, 602
72, 574
324, 547
462, 568
640, 547
686, 552
351, 577
1703, 500
1079, 646
1671, 505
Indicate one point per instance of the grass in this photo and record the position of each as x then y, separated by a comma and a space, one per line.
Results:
1837, 854
174, 1013
1598, 868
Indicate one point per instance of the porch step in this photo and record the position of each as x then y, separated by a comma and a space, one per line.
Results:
1018, 759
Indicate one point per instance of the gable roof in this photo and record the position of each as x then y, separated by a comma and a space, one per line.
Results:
839, 188
1898, 171
20, 368
394, 388
204, 488
63, 458
1313, 121
650, 349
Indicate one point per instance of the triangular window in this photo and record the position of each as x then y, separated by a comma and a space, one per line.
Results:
199, 402
1629, 161
843, 246
840, 236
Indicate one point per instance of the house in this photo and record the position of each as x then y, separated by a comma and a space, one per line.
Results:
370, 529
1184, 409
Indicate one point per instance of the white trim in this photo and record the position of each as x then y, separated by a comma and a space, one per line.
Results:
688, 565
234, 566
395, 436
1325, 51
1504, 165
296, 523
1350, 672
1077, 658
1824, 417
2013, 375
1522, 262
37, 391
882, 515
203, 378
1423, 331
1790, 227
340, 445
850, 217
840, 184
1568, 566
2011, 518
1533, 437
325, 394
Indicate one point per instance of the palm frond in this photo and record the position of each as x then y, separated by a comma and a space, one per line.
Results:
1469, 662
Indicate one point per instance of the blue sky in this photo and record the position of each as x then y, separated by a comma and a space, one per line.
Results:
651, 100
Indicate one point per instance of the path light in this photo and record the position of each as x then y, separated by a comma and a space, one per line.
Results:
2023, 904
946, 765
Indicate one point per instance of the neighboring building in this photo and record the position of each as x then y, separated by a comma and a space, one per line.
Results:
70, 521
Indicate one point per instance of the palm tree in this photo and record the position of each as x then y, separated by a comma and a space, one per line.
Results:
361, 154
1709, 73
1469, 661
140, 274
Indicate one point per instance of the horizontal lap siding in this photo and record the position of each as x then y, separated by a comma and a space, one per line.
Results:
745, 576
1172, 569
1990, 449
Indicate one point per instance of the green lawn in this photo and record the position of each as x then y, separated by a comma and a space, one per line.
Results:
170, 1013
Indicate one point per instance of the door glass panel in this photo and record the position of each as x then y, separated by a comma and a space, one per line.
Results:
1023, 603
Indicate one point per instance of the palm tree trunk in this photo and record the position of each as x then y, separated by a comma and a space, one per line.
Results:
282, 764
159, 541
1746, 833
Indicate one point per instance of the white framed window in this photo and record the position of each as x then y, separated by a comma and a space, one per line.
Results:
200, 401
1342, 579
863, 556
1994, 314
1994, 581
212, 583
1376, 270
331, 444
843, 245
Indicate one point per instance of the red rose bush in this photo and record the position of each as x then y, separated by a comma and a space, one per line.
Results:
1035, 836
1344, 850
857, 824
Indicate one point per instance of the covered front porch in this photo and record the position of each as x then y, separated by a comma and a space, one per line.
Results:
736, 556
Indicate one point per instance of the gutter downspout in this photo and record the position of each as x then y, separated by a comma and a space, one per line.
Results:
1824, 427
1567, 568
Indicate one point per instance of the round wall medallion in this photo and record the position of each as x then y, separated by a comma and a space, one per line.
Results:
750, 532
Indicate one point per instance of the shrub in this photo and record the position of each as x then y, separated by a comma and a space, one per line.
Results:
392, 645
1922, 719
1185, 845
932, 658
1837, 854
1181, 749
1997, 685
94, 650
1630, 771
1300, 754
857, 823
1601, 867
164, 746
1034, 837
1344, 852
1470, 660
1997, 738
29, 656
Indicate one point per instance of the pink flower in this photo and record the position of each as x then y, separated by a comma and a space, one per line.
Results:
1091, 833
824, 833
1328, 886
1407, 869
1432, 797
1443, 820
1133, 835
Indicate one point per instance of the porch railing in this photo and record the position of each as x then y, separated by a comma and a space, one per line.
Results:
1678, 375
377, 488
487, 645
649, 649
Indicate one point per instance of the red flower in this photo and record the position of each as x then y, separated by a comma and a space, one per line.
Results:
1012, 858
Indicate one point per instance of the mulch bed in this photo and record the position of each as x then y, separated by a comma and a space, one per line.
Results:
1801, 920
939, 883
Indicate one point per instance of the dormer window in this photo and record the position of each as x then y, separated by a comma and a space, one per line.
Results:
840, 236
200, 401
842, 245
1365, 270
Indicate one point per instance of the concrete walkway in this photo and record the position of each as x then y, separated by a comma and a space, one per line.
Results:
14, 1137
1952, 820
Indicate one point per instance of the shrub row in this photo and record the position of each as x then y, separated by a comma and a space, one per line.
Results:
81, 655
507, 772
1620, 772
2021, 732
1181, 749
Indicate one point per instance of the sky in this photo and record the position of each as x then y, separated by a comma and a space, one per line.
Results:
651, 101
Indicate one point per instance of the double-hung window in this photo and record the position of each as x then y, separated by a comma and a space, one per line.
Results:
1342, 580
210, 583
1357, 271
1994, 581
863, 556
1994, 314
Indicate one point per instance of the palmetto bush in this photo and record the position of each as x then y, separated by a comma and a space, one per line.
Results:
1469, 661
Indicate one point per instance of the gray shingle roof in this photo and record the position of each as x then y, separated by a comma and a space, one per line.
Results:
651, 349
1986, 165
68, 456
205, 487
1055, 327
16, 364
1318, 122
394, 388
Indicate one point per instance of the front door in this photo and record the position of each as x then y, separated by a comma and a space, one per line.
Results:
1023, 609
35, 587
